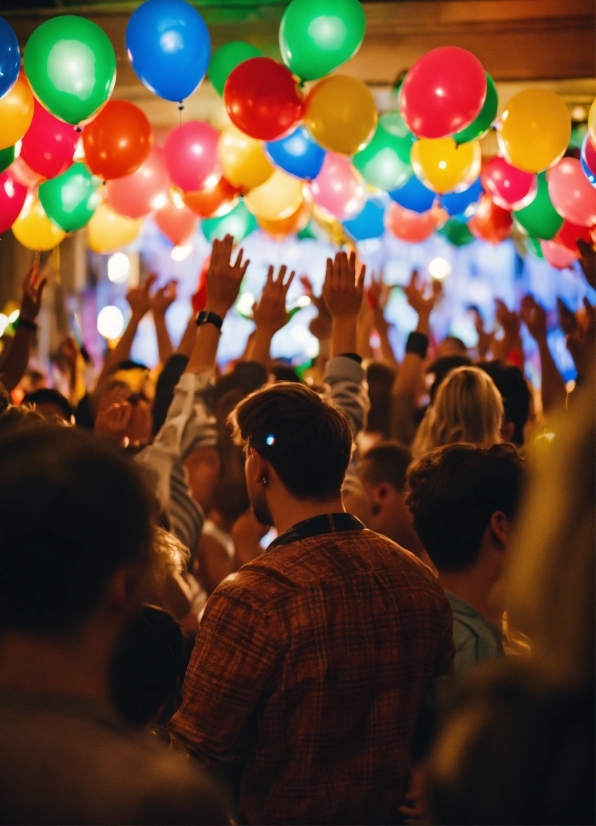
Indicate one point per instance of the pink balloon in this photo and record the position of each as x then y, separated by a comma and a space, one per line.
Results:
144, 191
571, 193
23, 173
410, 226
443, 92
558, 256
339, 188
49, 144
176, 222
12, 198
508, 186
191, 155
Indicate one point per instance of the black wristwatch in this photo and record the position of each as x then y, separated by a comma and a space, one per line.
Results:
205, 317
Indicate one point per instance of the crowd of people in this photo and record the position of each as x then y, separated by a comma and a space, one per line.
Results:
363, 595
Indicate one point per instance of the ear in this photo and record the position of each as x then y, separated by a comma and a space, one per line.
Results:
380, 494
499, 528
128, 588
257, 467
507, 431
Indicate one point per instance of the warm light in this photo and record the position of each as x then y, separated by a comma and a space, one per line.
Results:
181, 252
570, 386
79, 154
245, 304
13, 316
439, 268
177, 199
110, 322
303, 301
118, 268
4, 322
579, 113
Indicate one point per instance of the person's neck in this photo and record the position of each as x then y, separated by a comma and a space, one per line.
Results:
287, 511
474, 586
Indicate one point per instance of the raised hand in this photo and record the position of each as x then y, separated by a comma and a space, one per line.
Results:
587, 261
270, 313
534, 317
112, 421
33, 287
377, 293
139, 299
343, 288
223, 277
163, 298
567, 319
580, 340
418, 296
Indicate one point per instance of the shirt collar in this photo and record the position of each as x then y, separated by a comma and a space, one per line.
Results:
318, 525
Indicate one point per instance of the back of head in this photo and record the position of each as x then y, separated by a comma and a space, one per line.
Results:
49, 401
380, 378
305, 438
386, 462
283, 372
72, 511
514, 390
453, 492
441, 367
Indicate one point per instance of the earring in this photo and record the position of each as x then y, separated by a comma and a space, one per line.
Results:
264, 481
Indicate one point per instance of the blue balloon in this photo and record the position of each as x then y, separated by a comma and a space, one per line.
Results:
297, 154
10, 58
414, 195
169, 47
587, 171
456, 203
369, 223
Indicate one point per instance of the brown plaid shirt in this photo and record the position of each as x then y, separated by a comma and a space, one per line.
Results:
309, 672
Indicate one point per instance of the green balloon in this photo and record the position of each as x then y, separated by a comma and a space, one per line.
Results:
226, 58
6, 157
533, 245
239, 222
70, 199
393, 123
380, 162
317, 36
540, 219
485, 119
307, 233
578, 134
71, 66
456, 233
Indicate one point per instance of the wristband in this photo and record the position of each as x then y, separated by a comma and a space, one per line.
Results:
25, 323
417, 343
205, 317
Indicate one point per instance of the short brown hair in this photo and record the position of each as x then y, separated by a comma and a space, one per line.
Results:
307, 440
386, 462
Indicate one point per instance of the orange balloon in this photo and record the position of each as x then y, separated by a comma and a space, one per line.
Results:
118, 140
16, 112
490, 222
212, 202
278, 230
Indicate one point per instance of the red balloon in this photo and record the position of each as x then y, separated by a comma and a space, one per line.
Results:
191, 155
410, 226
144, 191
118, 141
176, 222
557, 256
573, 196
213, 202
12, 198
443, 92
49, 144
509, 187
569, 234
490, 221
23, 173
262, 99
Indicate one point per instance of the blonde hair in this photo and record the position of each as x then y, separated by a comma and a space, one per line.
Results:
467, 408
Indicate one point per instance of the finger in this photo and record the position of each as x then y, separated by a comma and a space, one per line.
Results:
149, 281
288, 282
244, 268
281, 275
238, 262
352, 265
41, 285
328, 274
270, 273
360, 279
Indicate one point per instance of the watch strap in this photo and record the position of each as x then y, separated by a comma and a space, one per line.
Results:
205, 317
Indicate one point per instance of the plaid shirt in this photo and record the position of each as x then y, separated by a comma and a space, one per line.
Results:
309, 672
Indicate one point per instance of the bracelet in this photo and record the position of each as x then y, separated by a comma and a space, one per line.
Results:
25, 323
205, 317
417, 343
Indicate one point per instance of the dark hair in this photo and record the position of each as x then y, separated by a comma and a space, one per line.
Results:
4, 398
283, 372
45, 395
386, 462
453, 492
514, 390
380, 378
305, 437
440, 369
72, 510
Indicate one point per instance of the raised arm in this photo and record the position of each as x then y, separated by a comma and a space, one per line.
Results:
509, 348
377, 297
552, 386
161, 301
270, 315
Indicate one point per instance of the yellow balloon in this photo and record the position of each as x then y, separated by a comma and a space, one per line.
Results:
108, 231
535, 130
278, 198
444, 166
34, 230
340, 114
243, 159
16, 112
592, 123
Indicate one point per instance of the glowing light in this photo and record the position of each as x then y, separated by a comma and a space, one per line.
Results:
118, 268
110, 322
439, 268
579, 113
303, 301
4, 322
181, 253
177, 199
13, 316
570, 386
245, 304
442, 164
270, 440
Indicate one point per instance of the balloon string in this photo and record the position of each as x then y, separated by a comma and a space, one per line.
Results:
56, 265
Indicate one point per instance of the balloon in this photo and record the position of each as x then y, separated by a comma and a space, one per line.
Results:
413, 227
190, 152
456, 233
490, 222
369, 223
393, 123
262, 99
483, 122
380, 162
6, 157
71, 66
509, 187
535, 129
10, 58
297, 154
592, 122
168, 47
12, 198
339, 188
23, 173
70, 199
569, 234
588, 159
34, 230
533, 245
444, 166
278, 198
118, 140
571, 193
16, 112
144, 191
278, 230
243, 159
460, 203
239, 223
213, 202
49, 145
540, 219
414, 195
340, 114
317, 36
557, 256
443, 92
176, 221
107, 231
226, 58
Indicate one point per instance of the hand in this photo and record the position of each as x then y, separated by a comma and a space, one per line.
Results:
508, 319
247, 534
223, 277
164, 298
587, 261
377, 293
484, 337
534, 317
580, 341
139, 299
270, 313
343, 289
112, 422
418, 297
567, 319
33, 287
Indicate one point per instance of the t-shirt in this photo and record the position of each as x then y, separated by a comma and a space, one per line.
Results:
475, 639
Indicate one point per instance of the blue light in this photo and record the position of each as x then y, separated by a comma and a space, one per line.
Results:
270, 440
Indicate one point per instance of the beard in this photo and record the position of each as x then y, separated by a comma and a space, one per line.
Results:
261, 509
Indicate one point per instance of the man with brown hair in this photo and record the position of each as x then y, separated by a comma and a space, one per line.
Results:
312, 662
